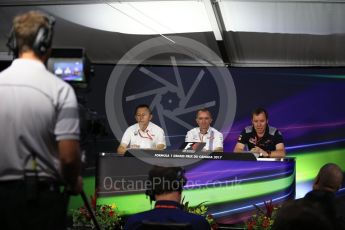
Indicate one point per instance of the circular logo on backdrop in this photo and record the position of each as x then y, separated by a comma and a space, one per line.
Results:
174, 93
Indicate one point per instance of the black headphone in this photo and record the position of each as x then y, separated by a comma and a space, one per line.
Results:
42, 42
173, 175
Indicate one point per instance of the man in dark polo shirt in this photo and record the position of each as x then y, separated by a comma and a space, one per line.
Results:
260, 138
165, 187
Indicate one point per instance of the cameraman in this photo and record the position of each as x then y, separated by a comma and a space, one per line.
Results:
39, 138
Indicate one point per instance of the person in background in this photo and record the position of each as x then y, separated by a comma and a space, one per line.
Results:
301, 215
205, 133
327, 182
329, 178
40, 132
144, 134
260, 138
165, 185
319, 208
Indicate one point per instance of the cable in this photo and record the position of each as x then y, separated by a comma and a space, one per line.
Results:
89, 209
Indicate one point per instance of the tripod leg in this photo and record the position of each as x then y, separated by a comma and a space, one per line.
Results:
88, 207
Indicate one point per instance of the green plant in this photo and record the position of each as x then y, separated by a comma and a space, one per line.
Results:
200, 209
263, 219
106, 216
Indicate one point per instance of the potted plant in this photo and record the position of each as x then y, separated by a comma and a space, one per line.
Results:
263, 219
106, 216
200, 209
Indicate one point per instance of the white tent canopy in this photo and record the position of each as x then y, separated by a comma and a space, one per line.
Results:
240, 32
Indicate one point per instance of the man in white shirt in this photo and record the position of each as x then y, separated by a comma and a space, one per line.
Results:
205, 133
144, 134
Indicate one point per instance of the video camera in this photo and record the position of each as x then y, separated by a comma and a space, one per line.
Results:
71, 65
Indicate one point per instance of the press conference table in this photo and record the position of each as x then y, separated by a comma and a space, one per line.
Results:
230, 183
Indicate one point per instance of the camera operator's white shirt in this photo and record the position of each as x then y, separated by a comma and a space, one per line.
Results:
213, 138
38, 109
150, 138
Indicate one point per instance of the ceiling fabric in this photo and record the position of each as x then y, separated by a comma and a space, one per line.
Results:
254, 33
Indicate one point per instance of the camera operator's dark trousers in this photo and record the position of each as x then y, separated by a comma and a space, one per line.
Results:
19, 210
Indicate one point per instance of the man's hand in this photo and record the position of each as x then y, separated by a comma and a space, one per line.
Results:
261, 152
239, 147
69, 156
122, 149
160, 147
